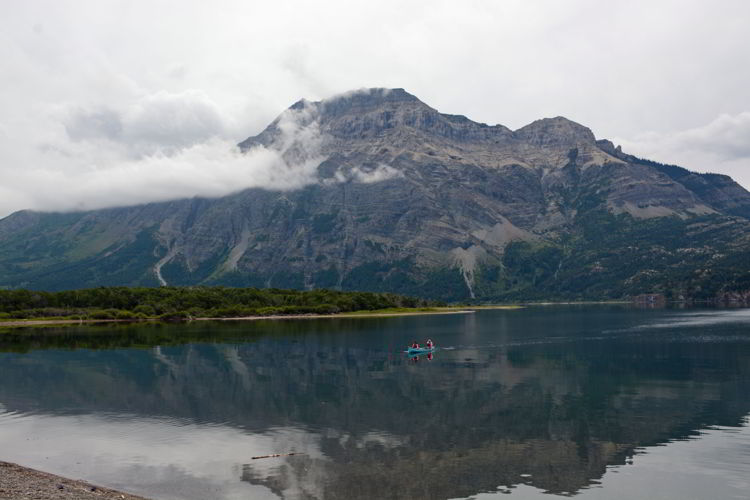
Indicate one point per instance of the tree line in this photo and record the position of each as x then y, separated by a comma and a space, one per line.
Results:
199, 301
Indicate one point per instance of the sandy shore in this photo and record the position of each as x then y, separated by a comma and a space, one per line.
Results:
18, 482
337, 316
42, 322
37, 322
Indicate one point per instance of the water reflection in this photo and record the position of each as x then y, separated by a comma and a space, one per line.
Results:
161, 457
553, 400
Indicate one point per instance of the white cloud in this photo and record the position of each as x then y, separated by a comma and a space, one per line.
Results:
378, 174
210, 169
114, 165
173, 120
721, 146
157, 122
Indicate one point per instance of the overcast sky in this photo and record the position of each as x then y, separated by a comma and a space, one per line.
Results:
107, 103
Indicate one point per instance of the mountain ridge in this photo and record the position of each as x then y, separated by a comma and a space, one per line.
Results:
411, 200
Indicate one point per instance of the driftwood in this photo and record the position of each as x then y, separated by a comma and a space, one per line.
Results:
278, 455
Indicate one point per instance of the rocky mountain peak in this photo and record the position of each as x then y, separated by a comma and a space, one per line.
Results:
368, 98
359, 100
555, 132
403, 198
367, 114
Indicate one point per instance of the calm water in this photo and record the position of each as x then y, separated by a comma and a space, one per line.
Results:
598, 402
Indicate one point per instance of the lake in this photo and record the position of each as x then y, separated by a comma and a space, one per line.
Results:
597, 402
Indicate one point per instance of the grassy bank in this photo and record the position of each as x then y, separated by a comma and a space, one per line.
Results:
396, 311
20, 308
175, 303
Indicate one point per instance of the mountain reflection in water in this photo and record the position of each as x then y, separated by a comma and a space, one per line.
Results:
555, 400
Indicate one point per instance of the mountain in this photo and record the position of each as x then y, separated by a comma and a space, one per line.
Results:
407, 199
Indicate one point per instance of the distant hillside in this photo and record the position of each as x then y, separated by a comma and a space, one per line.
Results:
413, 201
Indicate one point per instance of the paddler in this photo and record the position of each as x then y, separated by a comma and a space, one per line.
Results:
429, 344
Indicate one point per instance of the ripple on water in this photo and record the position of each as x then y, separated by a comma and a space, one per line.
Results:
556, 404
691, 320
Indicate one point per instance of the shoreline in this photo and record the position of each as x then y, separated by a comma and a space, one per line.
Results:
20, 323
337, 315
275, 317
41, 322
575, 303
17, 481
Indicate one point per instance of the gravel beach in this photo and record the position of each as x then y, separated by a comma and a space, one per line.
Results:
18, 482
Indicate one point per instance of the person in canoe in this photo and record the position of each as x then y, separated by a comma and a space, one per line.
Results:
414, 345
429, 344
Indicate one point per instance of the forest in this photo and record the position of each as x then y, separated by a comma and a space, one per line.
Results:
174, 303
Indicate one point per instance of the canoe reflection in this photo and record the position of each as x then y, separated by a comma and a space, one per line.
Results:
414, 358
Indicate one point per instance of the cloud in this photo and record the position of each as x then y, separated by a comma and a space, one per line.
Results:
720, 146
157, 122
380, 173
209, 169
299, 136
726, 137
112, 158
102, 123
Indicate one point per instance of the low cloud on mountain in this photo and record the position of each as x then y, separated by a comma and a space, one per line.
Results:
209, 169
162, 147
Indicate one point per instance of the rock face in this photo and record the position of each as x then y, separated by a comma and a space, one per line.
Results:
411, 200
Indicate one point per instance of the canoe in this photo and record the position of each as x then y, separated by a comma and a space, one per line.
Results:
421, 350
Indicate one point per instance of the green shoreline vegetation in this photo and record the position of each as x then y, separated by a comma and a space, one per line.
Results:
185, 303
